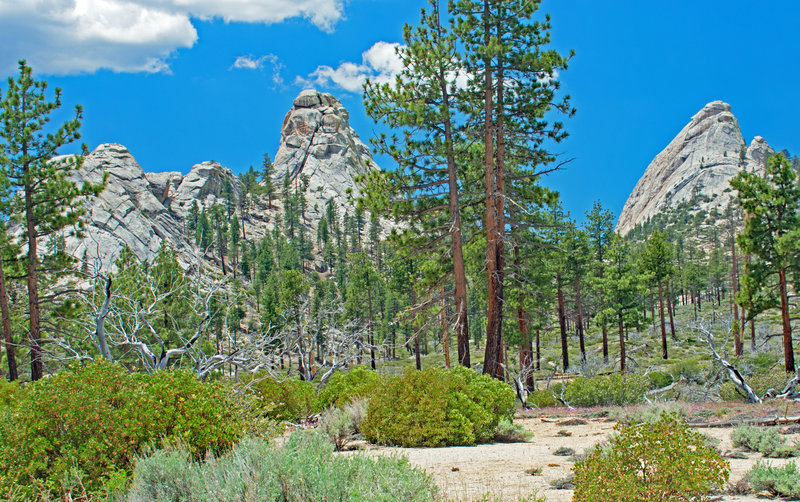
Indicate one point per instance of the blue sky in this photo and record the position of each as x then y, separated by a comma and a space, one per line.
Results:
162, 78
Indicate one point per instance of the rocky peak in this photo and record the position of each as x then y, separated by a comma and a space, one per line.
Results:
318, 142
204, 183
698, 162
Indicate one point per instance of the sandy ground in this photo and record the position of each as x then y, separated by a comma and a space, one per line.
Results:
503, 470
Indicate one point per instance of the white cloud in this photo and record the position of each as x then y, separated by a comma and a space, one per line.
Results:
380, 63
257, 63
76, 36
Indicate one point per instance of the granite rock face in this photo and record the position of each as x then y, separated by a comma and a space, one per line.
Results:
133, 210
141, 210
318, 142
700, 161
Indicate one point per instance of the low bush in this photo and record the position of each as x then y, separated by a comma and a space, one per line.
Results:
437, 407
11, 393
690, 369
766, 441
302, 470
664, 461
341, 425
545, 398
659, 379
782, 481
285, 400
509, 432
606, 390
343, 388
90, 422
759, 382
647, 414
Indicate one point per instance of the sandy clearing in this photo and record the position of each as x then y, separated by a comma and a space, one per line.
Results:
501, 470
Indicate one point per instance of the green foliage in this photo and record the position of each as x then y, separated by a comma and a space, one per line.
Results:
659, 379
543, 398
437, 407
759, 382
766, 441
606, 390
509, 432
95, 419
783, 481
302, 470
340, 425
690, 369
649, 414
664, 461
11, 393
287, 400
343, 388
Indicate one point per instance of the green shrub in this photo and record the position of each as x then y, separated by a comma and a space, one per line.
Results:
690, 369
437, 407
647, 414
302, 470
11, 393
343, 388
509, 432
286, 400
782, 481
664, 461
766, 441
762, 362
659, 379
606, 390
544, 398
759, 382
92, 421
340, 425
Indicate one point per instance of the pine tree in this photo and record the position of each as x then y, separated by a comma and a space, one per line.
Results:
266, 179
425, 190
657, 261
771, 233
192, 218
44, 198
600, 229
622, 286
513, 83
235, 239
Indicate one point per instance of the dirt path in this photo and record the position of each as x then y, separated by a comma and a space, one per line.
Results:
503, 470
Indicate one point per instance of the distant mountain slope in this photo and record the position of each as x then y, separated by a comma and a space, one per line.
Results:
697, 164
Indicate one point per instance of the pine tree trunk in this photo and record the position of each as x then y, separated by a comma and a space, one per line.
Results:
371, 333
671, 311
788, 351
738, 336
579, 321
493, 319
37, 368
456, 246
562, 324
604, 330
13, 372
663, 324
621, 345
417, 355
445, 334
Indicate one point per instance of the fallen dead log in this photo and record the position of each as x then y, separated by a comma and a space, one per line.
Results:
747, 421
